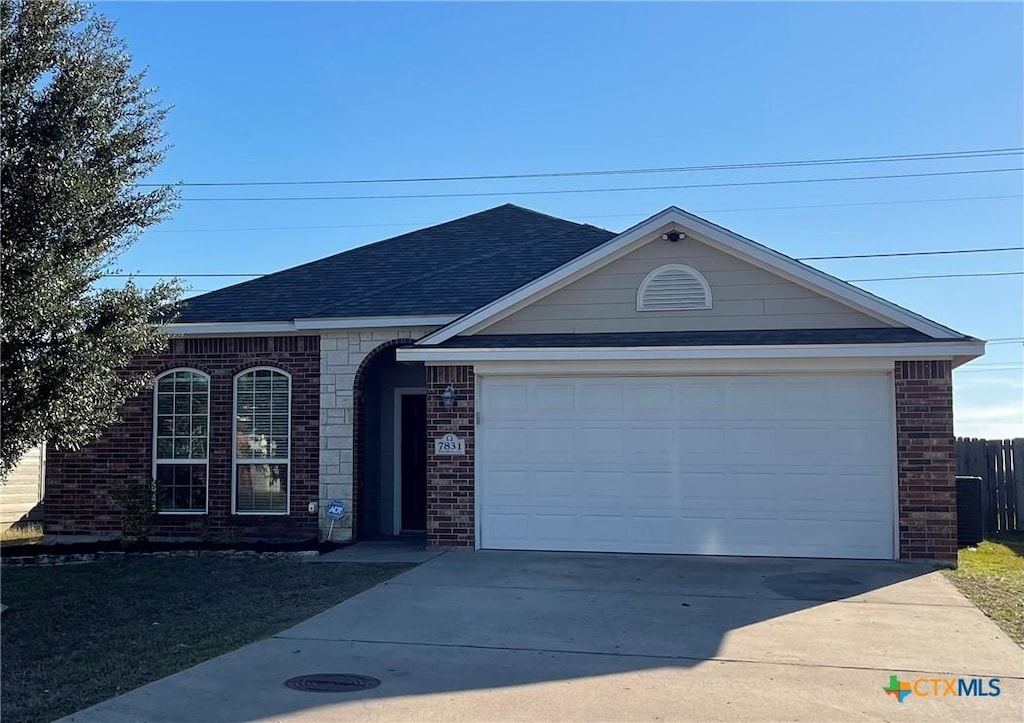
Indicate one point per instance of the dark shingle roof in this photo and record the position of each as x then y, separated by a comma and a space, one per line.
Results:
453, 268
882, 335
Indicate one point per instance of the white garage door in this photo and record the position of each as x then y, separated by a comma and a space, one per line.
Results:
797, 466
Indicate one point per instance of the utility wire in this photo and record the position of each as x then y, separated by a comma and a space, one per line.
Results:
948, 155
803, 258
605, 215
990, 371
913, 253
940, 276
558, 191
849, 281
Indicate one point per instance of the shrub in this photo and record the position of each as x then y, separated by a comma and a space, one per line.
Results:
135, 498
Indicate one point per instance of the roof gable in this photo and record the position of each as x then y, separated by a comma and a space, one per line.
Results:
714, 236
731, 294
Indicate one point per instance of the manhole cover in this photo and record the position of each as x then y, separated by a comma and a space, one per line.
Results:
332, 683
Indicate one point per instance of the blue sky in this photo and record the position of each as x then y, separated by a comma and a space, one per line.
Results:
321, 91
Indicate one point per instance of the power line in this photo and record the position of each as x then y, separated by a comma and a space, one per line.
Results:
558, 191
941, 276
605, 215
827, 205
990, 371
180, 276
947, 155
803, 258
913, 253
886, 278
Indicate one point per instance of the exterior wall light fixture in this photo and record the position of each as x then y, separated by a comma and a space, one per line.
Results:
448, 397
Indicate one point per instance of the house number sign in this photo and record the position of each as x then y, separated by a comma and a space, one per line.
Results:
449, 444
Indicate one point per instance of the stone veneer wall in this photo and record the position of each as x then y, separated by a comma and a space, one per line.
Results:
341, 354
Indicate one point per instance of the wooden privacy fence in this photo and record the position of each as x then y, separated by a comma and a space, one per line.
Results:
1000, 465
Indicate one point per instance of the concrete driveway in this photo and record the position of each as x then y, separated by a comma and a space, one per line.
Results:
551, 636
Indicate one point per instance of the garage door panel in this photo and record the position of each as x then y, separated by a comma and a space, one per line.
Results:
859, 442
804, 401
644, 440
508, 529
507, 441
554, 397
751, 489
554, 485
601, 397
651, 401
507, 401
752, 400
508, 484
601, 440
552, 529
604, 488
770, 465
552, 442
812, 445
696, 487
651, 489
692, 441
748, 441
858, 401
602, 529
699, 400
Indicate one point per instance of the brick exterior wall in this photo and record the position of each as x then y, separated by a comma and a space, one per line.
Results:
450, 478
925, 460
78, 484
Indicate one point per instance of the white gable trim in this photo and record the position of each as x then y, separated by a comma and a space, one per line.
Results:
716, 237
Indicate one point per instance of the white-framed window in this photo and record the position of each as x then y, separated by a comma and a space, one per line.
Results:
181, 441
262, 442
673, 287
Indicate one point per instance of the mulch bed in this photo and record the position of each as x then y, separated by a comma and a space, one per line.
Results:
14, 549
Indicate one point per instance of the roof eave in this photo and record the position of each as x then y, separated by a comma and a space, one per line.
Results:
957, 352
306, 325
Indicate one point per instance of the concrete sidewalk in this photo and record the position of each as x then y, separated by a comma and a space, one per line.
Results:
546, 636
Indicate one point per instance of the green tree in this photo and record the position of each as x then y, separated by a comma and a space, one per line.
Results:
79, 130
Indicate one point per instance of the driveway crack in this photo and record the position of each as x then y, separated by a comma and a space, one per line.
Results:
715, 659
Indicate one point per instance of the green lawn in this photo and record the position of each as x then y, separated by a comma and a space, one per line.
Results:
992, 576
76, 635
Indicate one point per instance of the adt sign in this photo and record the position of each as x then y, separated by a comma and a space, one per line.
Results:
335, 509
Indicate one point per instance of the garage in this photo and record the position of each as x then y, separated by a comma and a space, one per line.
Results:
796, 465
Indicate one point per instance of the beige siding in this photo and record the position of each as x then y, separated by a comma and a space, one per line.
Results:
743, 297
20, 492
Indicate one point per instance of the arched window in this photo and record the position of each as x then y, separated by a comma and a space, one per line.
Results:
262, 442
181, 433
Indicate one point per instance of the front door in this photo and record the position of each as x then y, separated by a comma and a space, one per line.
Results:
414, 462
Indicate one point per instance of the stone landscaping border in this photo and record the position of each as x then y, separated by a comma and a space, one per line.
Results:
117, 556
